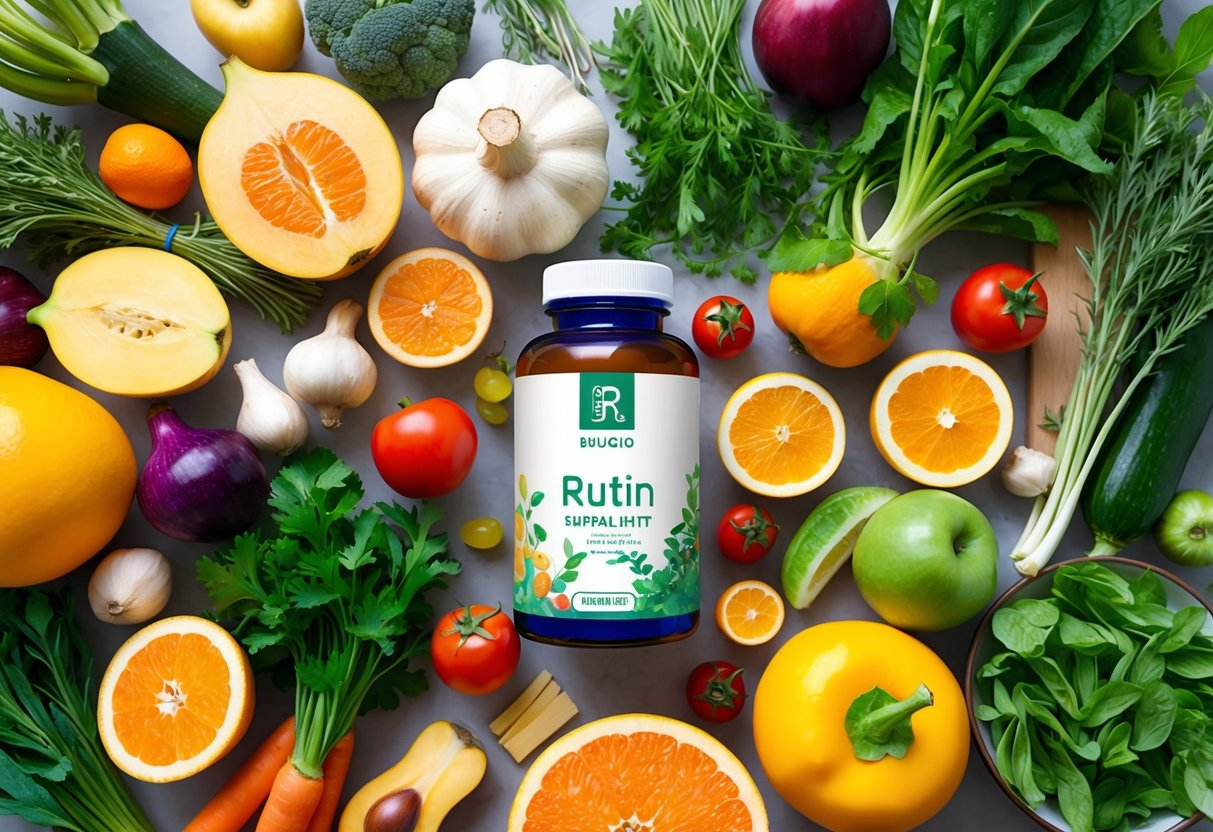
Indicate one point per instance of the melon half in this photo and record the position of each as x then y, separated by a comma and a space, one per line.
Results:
300, 172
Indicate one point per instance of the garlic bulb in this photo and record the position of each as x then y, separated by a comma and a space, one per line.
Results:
130, 586
331, 371
1029, 473
511, 161
271, 419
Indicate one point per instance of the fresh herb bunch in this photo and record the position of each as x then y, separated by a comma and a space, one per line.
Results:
48, 192
1102, 697
531, 29
983, 111
335, 597
53, 769
720, 173
1149, 264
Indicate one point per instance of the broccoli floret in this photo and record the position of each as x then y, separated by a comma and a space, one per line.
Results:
392, 48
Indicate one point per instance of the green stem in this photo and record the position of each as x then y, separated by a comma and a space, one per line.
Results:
879, 724
47, 90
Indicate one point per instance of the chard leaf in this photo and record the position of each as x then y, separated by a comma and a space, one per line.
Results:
1145, 50
1040, 31
1063, 136
1155, 716
1193, 51
1016, 222
890, 96
985, 22
888, 304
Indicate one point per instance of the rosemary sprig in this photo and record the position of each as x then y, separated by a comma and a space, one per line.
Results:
532, 29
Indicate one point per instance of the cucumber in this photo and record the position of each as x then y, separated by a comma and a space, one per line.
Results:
1140, 465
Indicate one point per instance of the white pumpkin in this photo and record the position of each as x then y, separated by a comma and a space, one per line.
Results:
511, 161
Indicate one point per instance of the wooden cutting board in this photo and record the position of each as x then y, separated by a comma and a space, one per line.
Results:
1054, 357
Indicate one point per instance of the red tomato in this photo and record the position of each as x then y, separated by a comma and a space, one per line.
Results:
475, 649
723, 327
716, 691
746, 533
561, 602
426, 449
1000, 308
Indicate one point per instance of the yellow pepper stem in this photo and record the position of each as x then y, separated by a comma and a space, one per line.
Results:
879, 724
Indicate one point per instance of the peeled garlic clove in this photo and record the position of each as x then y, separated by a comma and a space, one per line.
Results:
331, 371
130, 586
270, 418
1029, 473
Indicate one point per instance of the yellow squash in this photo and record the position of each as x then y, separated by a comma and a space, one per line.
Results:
819, 311
816, 715
441, 768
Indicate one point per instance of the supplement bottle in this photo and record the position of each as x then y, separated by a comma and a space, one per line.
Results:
606, 463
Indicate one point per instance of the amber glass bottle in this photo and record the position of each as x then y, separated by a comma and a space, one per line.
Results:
606, 459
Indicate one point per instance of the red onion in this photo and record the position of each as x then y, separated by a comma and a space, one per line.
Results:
21, 343
200, 485
821, 51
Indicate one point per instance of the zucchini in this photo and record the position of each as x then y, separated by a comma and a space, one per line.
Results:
1140, 465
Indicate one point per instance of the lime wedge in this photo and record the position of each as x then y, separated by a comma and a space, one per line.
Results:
825, 540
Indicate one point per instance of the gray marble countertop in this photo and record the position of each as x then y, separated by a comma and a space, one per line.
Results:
601, 683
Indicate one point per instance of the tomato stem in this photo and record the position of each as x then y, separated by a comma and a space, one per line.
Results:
1021, 303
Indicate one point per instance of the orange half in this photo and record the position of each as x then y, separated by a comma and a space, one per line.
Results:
430, 308
781, 435
750, 613
942, 418
638, 772
176, 697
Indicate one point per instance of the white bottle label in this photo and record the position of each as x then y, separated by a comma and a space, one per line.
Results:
606, 518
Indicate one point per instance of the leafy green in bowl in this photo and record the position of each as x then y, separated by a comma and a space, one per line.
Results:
1090, 689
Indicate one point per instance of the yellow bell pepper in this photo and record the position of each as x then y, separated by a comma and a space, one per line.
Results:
846, 756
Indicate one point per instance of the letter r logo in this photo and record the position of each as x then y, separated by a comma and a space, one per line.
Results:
605, 400
608, 401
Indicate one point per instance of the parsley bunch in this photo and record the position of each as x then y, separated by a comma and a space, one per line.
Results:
336, 595
720, 173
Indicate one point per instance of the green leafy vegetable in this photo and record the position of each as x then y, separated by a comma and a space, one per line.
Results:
49, 194
1068, 725
1149, 262
531, 29
53, 769
337, 595
720, 172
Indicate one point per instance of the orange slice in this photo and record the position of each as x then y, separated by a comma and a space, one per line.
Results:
430, 308
750, 613
176, 697
781, 435
638, 772
942, 418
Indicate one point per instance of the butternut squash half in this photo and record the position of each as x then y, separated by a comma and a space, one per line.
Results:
300, 172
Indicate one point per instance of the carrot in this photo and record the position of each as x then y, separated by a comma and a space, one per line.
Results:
247, 789
336, 767
292, 802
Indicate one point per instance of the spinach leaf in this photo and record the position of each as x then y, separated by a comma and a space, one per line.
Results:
1057, 684
1115, 745
1155, 716
1179, 786
1073, 790
1185, 626
1191, 663
1198, 781
1149, 664
1110, 800
1193, 50
1109, 700
1084, 636
1021, 764
1037, 35
1025, 626
1148, 589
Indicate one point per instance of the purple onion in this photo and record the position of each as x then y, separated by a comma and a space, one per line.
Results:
21, 343
820, 51
200, 485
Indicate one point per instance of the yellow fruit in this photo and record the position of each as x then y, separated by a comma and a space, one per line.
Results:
942, 418
300, 172
176, 697
750, 613
641, 772
137, 322
781, 435
441, 768
543, 584
145, 166
430, 308
265, 34
542, 561
67, 482
519, 527
519, 562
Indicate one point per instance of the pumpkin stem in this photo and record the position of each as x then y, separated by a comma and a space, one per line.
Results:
508, 150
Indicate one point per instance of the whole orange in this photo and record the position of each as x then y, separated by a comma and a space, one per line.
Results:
67, 476
145, 166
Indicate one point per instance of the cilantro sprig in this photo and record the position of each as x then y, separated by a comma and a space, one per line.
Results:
337, 595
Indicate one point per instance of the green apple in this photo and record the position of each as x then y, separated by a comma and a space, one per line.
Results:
1185, 531
927, 560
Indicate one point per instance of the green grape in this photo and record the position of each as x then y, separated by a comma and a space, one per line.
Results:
492, 412
492, 385
481, 532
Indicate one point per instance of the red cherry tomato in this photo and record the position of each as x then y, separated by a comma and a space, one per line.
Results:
426, 449
475, 649
746, 533
723, 327
716, 691
561, 602
1000, 308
